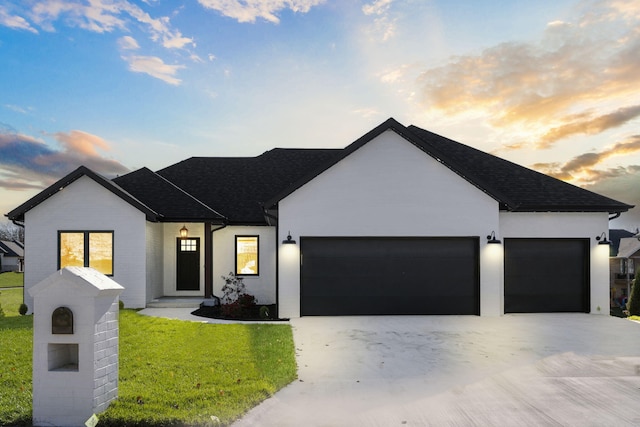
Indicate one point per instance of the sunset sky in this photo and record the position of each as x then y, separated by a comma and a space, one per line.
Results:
116, 85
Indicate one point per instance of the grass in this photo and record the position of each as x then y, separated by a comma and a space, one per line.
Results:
10, 300
11, 279
171, 372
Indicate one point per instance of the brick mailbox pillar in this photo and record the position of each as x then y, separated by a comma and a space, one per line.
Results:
75, 346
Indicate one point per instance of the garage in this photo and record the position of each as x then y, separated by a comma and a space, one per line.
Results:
389, 276
546, 275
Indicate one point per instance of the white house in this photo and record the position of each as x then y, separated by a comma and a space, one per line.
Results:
401, 221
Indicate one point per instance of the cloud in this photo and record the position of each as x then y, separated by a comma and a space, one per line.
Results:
582, 168
250, 10
558, 82
14, 21
28, 163
128, 43
586, 124
155, 67
384, 27
621, 184
99, 16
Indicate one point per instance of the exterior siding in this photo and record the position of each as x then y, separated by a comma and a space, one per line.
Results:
155, 251
263, 287
568, 225
86, 205
388, 187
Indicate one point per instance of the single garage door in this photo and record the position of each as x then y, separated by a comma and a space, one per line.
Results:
546, 275
369, 276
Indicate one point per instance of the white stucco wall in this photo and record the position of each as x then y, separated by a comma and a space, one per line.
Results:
263, 286
568, 225
388, 187
85, 205
155, 257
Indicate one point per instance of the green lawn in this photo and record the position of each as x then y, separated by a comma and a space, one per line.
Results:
171, 372
11, 279
10, 300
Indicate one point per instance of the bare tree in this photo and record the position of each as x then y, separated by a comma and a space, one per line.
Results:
10, 231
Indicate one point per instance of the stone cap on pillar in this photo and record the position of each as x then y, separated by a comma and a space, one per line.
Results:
82, 281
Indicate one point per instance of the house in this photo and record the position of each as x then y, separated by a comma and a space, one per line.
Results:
11, 256
625, 257
401, 221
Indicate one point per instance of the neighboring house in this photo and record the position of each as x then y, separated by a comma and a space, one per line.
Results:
12, 258
402, 221
623, 265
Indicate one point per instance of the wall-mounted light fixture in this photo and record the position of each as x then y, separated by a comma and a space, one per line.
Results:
184, 232
491, 238
602, 239
289, 240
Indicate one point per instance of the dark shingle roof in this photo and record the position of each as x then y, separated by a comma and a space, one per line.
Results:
515, 187
237, 187
165, 197
18, 213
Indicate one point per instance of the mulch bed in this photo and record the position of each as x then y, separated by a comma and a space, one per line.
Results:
252, 314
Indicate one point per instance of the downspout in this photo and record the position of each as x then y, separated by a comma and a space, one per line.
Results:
208, 270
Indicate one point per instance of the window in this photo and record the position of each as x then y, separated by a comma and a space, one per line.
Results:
247, 255
86, 249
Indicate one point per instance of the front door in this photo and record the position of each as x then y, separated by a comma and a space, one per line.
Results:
188, 264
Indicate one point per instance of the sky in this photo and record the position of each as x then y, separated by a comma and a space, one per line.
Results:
115, 85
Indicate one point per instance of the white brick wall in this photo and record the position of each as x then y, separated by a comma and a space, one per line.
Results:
86, 205
68, 395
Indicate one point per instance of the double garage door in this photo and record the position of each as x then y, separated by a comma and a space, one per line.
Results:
377, 276
365, 276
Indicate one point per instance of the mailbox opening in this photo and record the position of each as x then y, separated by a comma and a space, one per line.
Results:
62, 321
63, 357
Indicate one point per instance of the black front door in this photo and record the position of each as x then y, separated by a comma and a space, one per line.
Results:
188, 264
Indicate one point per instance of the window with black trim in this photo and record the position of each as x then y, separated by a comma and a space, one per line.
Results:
86, 249
247, 255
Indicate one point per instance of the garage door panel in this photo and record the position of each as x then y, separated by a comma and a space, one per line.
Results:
359, 276
546, 275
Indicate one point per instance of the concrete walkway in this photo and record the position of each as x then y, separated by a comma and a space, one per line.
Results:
516, 370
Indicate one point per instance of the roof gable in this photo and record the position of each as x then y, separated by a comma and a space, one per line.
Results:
11, 249
18, 213
514, 187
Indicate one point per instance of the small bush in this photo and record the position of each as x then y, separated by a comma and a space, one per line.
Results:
264, 312
23, 309
1, 312
634, 299
121, 304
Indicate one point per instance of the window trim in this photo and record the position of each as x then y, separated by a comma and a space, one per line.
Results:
86, 246
235, 255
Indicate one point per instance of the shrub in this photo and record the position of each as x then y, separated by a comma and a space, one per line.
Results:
1, 312
232, 289
23, 309
634, 299
121, 304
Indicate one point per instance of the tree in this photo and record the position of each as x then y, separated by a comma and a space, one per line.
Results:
634, 299
10, 231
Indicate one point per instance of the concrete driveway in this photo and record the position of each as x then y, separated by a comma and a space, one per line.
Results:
515, 370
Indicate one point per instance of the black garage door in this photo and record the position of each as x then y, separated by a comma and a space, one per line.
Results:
365, 276
546, 275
